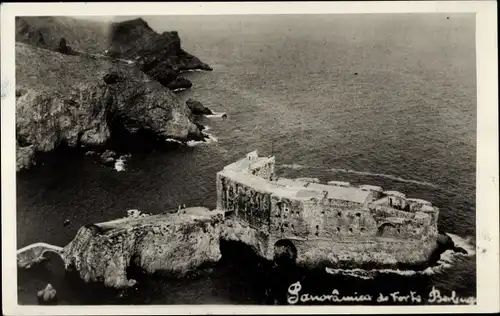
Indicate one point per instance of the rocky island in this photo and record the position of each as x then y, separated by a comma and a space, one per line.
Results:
282, 220
81, 83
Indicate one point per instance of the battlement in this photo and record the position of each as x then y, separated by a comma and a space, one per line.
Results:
252, 164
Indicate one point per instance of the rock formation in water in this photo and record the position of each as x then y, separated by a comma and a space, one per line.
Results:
75, 100
136, 40
25, 157
47, 295
168, 243
179, 84
444, 243
108, 156
160, 56
197, 108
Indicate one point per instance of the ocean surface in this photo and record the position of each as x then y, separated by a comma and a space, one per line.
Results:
388, 100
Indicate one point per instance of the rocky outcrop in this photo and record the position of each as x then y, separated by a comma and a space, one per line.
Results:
159, 55
179, 84
108, 156
169, 243
47, 295
64, 48
444, 243
25, 157
197, 107
75, 100
135, 39
238, 231
34, 253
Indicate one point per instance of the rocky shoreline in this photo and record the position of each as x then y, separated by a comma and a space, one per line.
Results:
73, 91
175, 244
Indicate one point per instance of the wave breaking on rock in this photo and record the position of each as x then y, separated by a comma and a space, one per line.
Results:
446, 260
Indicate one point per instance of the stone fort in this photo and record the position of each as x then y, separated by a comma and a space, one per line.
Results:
334, 222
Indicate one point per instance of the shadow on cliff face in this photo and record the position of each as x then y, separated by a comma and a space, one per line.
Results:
272, 282
128, 136
140, 140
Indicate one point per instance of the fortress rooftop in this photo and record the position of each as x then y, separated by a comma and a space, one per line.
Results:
251, 161
350, 194
247, 171
297, 189
261, 184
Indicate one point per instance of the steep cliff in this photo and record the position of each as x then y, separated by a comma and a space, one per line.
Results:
75, 100
135, 39
158, 55
171, 243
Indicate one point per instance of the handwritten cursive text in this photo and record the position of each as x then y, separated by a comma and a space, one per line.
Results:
435, 297
294, 296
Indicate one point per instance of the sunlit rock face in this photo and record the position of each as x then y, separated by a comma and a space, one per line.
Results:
168, 243
160, 56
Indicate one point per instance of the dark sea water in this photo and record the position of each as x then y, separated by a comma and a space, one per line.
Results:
388, 100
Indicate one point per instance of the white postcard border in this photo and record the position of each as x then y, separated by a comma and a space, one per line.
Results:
487, 202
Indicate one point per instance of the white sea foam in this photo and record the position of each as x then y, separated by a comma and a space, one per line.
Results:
365, 173
192, 70
209, 139
216, 115
171, 140
466, 243
293, 166
383, 175
179, 89
445, 261
120, 163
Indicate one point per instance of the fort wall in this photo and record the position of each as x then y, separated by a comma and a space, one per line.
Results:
335, 219
246, 202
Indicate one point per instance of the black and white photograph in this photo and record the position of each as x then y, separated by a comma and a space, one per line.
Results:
250, 159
